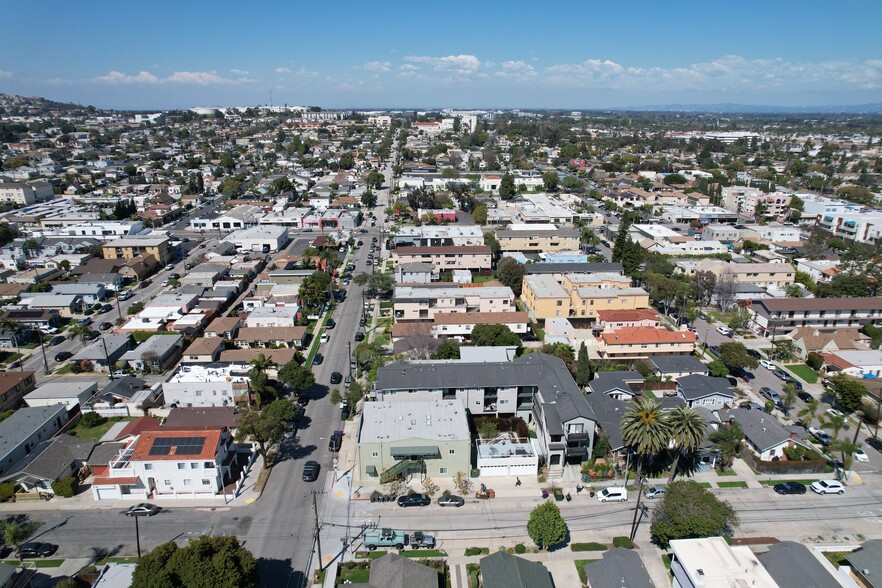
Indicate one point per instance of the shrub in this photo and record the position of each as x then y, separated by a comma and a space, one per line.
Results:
474, 551
520, 548
65, 487
623, 542
815, 361
91, 419
7, 491
592, 546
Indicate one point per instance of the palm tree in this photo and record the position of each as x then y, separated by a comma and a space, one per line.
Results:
645, 430
838, 423
809, 413
688, 430
727, 440
846, 449
788, 399
257, 373
78, 331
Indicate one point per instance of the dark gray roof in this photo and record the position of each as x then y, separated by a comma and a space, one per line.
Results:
56, 459
868, 559
608, 414
564, 268
504, 570
792, 565
103, 453
416, 342
606, 382
619, 568
679, 364
394, 571
23, 423
761, 430
563, 400
125, 387
695, 387
669, 402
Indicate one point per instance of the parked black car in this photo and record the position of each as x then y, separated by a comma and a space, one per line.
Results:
804, 396
335, 442
414, 500
790, 488
63, 355
359, 336
90, 335
105, 326
36, 549
317, 359
330, 324
336, 377
57, 340
311, 471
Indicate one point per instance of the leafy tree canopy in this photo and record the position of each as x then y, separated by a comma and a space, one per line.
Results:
690, 511
206, 562
546, 526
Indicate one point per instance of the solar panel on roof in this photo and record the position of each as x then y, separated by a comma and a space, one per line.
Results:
181, 445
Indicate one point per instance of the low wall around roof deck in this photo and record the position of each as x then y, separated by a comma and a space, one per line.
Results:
508, 457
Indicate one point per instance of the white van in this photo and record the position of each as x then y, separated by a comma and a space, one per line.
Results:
613, 494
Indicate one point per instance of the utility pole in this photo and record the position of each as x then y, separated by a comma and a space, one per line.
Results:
637, 506
43, 349
350, 358
318, 537
107, 359
137, 535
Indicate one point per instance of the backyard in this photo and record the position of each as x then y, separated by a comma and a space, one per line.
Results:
804, 372
95, 433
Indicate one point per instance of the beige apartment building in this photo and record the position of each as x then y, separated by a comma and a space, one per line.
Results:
764, 275
132, 247
537, 240
447, 258
423, 303
580, 296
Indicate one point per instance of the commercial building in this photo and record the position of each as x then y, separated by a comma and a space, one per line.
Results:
864, 226
260, 239
427, 438
131, 247
785, 314
206, 385
472, 258
411, 303
437, 236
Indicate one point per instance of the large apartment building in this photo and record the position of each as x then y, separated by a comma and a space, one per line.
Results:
132, 247
785, 314
579, 295
447, 258
746, 201
527, 238
414, 303
536, 387
437, 236
765, 275
642, 342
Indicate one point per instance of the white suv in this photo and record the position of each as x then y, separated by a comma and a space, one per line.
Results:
613, 494
828, 487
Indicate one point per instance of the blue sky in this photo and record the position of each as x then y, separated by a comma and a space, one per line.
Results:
160, 54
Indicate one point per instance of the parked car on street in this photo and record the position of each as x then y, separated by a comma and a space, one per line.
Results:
860, 456
828, 487
654, 492
57, 340
335, 442
336, 377
35, 549
63, 356
451, 500
311, 471
143, 509
790, 488
725, 331
414, 500
768, 364
613, 494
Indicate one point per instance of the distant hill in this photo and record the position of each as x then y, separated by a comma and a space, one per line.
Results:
875, 108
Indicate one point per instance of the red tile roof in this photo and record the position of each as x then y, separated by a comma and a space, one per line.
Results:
633, 335
109, 481
623, 316
478, 318
142, 448
138, 426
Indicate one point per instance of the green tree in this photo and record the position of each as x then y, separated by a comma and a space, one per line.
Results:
788, 397
78, 331
583, 367
645, 430
837, 422
375, 179
299, 378
335, 397
550, 179
354, 395
511, 273
368, 199
494, 335
207, 562
808, 414
264, 429
688, 430
621, 241
449, 349
689, 511
675, 180
546, 527
507, 188
259, 379
848, 392
718, 369
727, 440
282, 409
735, 356
479, 214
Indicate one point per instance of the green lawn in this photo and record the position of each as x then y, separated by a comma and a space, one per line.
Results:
423, 553
95, 433
580, 567
804, 372
370, 554
666, 559
483, 279
65, 369
39, 563
732, 484
355, 576
726, 473
650, 394
705, 484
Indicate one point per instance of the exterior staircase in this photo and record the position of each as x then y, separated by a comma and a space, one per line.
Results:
403, 469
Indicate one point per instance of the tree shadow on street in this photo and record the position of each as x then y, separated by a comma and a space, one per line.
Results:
277, 572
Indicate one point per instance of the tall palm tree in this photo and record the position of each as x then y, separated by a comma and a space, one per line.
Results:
645, 430
838, 423
78, 331
809, 413
688, 430
259, 367
727, 440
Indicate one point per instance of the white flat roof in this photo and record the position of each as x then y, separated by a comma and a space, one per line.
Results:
438, 420
209, 373
532, 227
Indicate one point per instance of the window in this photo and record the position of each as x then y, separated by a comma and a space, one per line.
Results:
206, 482
194, 465
188, 482
442, 470
198, 392
451, 451
148, 466
208, 465
375, 454
182, 466
167, 482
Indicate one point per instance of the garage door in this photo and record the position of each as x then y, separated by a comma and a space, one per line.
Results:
108, 494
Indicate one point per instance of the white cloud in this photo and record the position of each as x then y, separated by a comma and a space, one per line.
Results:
116, 77
379, 66
519, 70
5, 74
198, 78
464, 65
239, 72
306, 73
727, 73
282, 70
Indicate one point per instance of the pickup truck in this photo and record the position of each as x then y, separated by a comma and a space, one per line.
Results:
397, 539
820, 435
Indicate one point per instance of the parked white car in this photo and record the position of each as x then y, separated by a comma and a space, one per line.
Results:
828, 487
324, 338
726, 331
613, 494
768, 364
832, 413
860, 456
